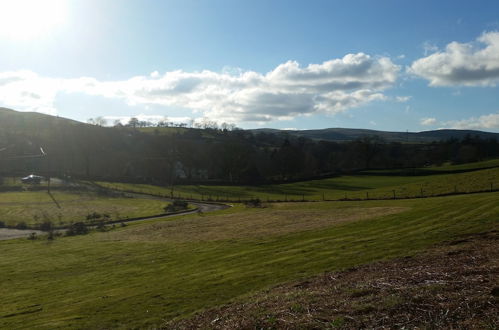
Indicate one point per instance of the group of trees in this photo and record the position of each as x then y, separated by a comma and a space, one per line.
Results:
213, 154
134, 122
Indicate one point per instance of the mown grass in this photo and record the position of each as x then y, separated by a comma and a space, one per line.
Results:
135, 278
342, 187
62, 208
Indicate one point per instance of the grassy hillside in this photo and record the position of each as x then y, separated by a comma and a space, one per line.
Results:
350, 134
378, 185
450, 286
144, 274
57, 147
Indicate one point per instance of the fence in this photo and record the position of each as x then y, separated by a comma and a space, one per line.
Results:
402, 192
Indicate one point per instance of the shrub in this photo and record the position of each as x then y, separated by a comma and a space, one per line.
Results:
93, 215
101, 226
46, 226
254, 202
77, 228
2, 224
32, 236
176, 206
21, 225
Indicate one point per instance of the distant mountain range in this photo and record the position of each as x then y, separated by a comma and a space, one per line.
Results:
26, 120
348, 134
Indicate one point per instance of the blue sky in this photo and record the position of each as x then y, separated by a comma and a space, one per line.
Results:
387, 65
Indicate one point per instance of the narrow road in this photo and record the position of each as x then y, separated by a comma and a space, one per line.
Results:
8, 233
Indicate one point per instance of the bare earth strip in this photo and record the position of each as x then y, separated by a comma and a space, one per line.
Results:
452, 286
253, 224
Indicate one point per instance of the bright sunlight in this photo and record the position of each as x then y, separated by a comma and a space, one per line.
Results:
28, 19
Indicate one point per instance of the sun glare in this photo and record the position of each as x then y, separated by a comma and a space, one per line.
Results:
28, 19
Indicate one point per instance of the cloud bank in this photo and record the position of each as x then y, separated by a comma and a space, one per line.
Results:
462, 64
287, 91
428, 121
490, 121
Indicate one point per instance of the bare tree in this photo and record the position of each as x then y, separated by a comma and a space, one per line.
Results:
98, 121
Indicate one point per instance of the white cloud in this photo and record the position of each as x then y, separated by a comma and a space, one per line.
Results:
429, 48
402, 99
490, 121
462, 64
25, 90
428, 121
288, 91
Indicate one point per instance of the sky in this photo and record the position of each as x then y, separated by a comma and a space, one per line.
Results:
391, 65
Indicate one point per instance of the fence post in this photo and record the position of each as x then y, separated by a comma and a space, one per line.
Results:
393, 194
367, 194
323, 199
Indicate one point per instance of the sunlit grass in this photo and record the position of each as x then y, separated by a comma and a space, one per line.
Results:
141, 275
62, 208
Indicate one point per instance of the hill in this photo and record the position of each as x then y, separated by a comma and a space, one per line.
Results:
53, 146
350, 134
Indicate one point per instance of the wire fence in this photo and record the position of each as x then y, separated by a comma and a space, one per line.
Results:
364, 195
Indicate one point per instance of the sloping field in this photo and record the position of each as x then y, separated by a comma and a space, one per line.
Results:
279, 219
145, 274
452, 286
379, 186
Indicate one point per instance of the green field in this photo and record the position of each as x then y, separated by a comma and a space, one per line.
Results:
62, 208
468, 166
146, 273
367, 186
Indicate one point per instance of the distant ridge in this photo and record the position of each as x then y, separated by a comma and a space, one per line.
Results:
44, 121
349, 134
6, 113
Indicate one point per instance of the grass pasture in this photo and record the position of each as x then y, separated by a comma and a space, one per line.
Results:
62, 208
147, 273
367, 186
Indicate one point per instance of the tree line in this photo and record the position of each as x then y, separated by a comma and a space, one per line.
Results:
212, 154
